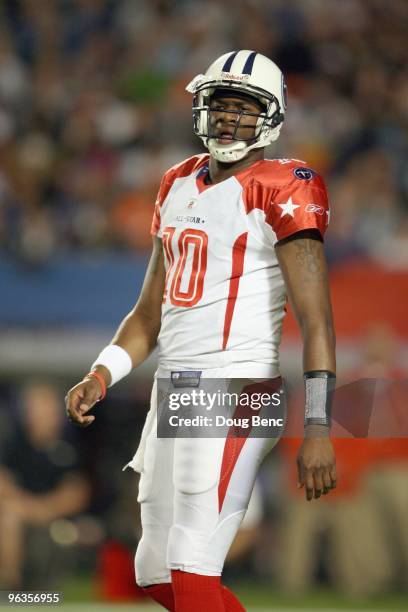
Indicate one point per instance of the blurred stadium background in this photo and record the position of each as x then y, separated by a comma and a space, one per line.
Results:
92, 111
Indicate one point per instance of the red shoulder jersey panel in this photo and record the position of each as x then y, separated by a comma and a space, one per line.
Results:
184, 168
292, 195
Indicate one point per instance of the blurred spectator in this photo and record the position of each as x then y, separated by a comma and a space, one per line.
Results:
342, 533
89, 90
387, 481
359, 533
40, 482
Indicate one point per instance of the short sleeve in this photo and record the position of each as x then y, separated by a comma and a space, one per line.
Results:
299, 205
161, 196
155, 229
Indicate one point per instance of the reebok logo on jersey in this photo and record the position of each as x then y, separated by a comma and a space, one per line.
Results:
314, 208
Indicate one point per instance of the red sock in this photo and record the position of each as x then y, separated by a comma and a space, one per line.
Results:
163, 594
196, 592
231, 603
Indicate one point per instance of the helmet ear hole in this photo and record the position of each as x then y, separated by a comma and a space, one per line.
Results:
277, 119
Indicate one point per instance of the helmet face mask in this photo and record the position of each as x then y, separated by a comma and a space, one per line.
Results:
239, 126
264, 86
266, 117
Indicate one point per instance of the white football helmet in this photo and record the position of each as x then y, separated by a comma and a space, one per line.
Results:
245, 72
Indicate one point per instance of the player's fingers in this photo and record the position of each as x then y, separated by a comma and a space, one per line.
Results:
78, 401
301, 471
318, 483
90, 397
74, 415
83, 421
333, 477
72, 397
309, 482
87, 420
72, 403
327, 484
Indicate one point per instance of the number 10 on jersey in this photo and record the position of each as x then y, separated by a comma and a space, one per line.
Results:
192, 249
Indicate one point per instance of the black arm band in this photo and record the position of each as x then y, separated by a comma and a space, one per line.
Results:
319, 388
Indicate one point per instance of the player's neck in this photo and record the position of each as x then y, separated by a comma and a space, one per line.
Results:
219, 171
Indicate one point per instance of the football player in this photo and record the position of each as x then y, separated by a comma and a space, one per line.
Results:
234, 234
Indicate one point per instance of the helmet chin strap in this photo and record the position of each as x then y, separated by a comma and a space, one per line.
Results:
238, 149
227, 153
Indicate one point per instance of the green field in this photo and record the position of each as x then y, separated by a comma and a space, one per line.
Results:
94, 607
146, 608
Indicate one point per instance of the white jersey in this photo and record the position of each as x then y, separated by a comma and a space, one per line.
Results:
224, 298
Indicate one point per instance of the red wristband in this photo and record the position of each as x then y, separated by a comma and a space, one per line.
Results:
100, 380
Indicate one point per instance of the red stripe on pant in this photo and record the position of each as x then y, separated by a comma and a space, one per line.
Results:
234, 443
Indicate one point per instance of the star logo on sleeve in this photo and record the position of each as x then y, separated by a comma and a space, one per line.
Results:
288, 208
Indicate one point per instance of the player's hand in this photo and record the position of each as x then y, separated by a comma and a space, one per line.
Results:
316, 464
80, 399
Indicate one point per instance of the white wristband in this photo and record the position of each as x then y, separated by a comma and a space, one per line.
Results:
116, 360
